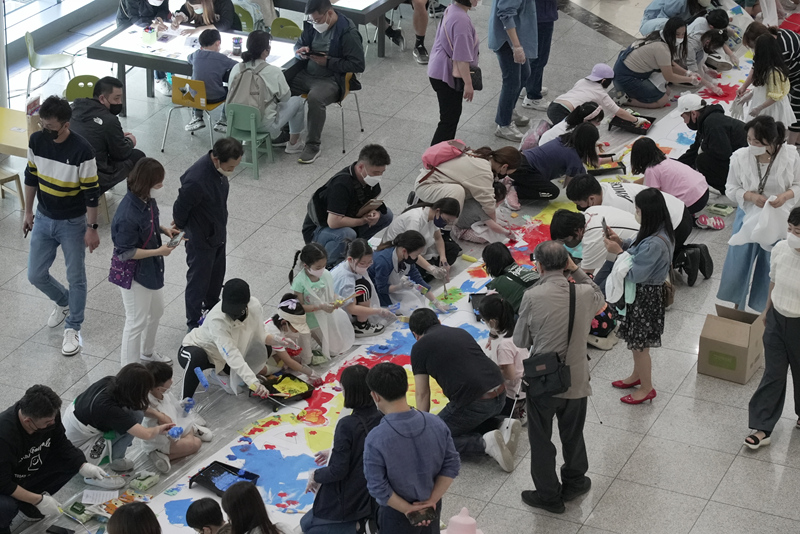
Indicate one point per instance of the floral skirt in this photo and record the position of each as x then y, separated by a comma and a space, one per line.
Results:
642, 325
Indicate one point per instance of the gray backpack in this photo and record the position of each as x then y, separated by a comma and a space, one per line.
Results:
248, 88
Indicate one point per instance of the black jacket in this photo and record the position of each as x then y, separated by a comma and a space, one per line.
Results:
141, 12
718, 136
201, 208
95, 123
343, 495
23, 455
225, 15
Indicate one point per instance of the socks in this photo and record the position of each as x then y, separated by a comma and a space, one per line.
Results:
420, 41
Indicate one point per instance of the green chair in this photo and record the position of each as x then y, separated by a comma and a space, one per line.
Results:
243, 122
46, 61
283, 28
80, 87
248, 24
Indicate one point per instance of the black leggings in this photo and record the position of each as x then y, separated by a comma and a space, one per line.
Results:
682, 232
557, 113
192, 358
698, 206
531, 185
450, 105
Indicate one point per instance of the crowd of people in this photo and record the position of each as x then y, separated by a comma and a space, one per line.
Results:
605, 273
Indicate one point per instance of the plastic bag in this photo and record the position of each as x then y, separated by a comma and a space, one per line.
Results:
764, 226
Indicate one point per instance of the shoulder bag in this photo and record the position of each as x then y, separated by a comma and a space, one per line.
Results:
475, 73
669, 285
122, 272
547, 374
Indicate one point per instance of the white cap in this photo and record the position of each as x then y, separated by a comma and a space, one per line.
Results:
691, 102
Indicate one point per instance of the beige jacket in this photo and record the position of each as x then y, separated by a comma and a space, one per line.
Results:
472, 173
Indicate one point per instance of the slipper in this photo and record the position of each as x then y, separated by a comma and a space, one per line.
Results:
763, 442
711, 223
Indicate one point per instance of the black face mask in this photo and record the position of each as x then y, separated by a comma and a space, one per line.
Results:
115, 109
410, 261
692, 124
50, 134
40, 431
582, 208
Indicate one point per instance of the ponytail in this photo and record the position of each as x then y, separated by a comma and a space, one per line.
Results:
507, 155
308, 255
447, 205
410, 240
257, 43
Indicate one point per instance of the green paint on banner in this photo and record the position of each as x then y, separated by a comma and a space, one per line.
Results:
452, 296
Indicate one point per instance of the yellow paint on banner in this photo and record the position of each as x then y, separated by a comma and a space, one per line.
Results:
546, 215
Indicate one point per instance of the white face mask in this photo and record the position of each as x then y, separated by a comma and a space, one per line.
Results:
321, 27
638, 217
155, 194
372, 181
757, 150
793, 240
225, 173
198, 8
316, 273
358, 270
678, 41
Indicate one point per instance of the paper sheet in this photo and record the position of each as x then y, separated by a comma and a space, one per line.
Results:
98, 496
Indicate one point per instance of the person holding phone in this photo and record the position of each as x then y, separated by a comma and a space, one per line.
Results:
136, 233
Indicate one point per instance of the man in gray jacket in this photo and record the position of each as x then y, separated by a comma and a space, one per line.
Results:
543, 327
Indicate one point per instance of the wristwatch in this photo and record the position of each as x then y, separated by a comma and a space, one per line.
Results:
92, 226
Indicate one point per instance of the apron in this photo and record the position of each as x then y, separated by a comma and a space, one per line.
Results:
409, 299
335, 333
780, 111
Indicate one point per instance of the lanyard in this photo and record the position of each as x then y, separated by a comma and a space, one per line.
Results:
762, 181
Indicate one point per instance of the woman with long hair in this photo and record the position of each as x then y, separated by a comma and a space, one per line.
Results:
770, 79
207, 14
247, 514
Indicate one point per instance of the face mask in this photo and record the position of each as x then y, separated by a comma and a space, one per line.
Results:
439, 222
156, 193
757, 150
678, 41
225, 173
692, 124
321, 27
51, 134
372, 181
115, 109
198, 9
793, 240
38, 430
638, 217
584, 208
358, 270
316, 273
410, 261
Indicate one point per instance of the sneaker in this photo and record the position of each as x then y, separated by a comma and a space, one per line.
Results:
367, 329
160, 460
421, 54
163, 87
57, 316
121, 465
282, 139
495, 446
438, 9
468, 234
109, 482
309, 155
203, 433
573, 491
196, 123
221, 126
511, 430
296, 148
512, 199
509, 132
519, 120
71, 345
531, 498
221, 381
397, 38
524, 92
538, 105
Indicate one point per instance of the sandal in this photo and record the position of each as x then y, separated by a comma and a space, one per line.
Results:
712, 223
756, 442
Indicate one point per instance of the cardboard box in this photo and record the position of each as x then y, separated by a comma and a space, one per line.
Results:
731, 347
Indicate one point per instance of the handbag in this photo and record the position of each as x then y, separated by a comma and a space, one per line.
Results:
122, 272
668, 289
475, 73
547, 374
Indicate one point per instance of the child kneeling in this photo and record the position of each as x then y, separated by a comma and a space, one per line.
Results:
205, 517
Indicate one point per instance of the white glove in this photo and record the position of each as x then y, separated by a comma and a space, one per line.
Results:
309, 372
48, 506
386, 314
405, 283
441, 306
640, 121
695, 80
327, 307
438, 272
261, 391
88, 470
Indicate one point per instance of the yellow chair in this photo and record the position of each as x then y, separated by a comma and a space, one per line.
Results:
80, 87
283, 28
187, 93
248, 24
46, 61
243, 122
7, 176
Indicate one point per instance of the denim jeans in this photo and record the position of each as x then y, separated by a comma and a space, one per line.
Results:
47, 235
335, 239
534, 83
746, 269
514, 75
462, 422
317, 525
291, 112
120, 444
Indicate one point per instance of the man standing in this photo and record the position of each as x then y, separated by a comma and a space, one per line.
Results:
37, 459
544, 326
718, 136
201, 209
95, 119
335, 210
62, 175
546, 17
473, 384
332, 48
409, 458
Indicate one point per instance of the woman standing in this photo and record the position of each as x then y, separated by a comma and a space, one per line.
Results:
643, 322
770, 79
136, 233
342, 498
766, 168
455, 50
513, 36
781, 337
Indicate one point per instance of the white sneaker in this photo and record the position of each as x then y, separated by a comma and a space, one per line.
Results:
538, 105
163, 87
71, 345
510, 132
524, 92
57, 316
223, 381
519, 120
156, 357
495, 447
121, 465
511, 429
221, 126
109, 482
296, 148
160, 460
197, 123
203, 433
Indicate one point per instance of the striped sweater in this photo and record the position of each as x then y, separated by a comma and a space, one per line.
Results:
64, 175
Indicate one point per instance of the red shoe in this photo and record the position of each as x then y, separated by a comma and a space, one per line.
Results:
620, 384
627, 399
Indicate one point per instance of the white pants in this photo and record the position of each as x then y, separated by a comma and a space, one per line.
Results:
143, 309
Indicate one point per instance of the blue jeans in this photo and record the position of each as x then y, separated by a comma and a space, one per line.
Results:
514, 75
741, 262
47, 235
534, 83
317, 525
335, 239
463, 422
120, 444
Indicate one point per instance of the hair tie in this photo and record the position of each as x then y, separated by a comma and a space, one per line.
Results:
291, 304
593, 114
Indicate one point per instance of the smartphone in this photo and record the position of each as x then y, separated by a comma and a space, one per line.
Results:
175, 241
426, 514
605, 228
53, 529
318, 54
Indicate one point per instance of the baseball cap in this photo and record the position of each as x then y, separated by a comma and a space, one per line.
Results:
601, 71
690, 102
235, 297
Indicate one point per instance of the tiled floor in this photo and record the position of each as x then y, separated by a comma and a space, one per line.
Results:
674, 466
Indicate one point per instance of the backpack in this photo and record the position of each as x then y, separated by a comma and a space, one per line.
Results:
255, 13
248, 88
442, 152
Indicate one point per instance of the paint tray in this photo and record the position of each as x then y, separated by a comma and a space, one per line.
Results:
206, 476
278, 402
629, 126
608, 168
475, 299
